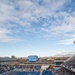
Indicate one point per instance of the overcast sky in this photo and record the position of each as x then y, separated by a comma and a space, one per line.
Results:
36, 27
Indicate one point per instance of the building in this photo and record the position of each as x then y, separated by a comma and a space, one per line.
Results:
7, 61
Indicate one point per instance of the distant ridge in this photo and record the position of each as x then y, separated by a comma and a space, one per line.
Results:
65, 54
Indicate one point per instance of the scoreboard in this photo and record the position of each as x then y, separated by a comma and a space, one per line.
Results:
32, 58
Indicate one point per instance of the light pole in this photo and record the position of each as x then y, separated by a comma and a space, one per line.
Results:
74, 42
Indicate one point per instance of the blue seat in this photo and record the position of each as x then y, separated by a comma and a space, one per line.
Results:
47, 72
27, 73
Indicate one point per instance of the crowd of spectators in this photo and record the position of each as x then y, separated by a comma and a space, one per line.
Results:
67, 68
28, 67
63, 71
6, 68
69, 65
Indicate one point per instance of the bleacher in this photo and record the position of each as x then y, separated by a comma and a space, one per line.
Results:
70, 64
67, 68
44, 72
24, 70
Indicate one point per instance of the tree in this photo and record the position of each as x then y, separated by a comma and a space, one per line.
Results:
12, 56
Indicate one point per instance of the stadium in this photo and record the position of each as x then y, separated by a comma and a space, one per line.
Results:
37, 37
34, 65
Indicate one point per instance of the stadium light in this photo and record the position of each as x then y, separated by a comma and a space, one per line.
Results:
74, 42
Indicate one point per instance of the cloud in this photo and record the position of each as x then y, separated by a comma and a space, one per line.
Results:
4, 37
67, 41
62, 26
9, 40
46, 18
28, 10
66, 53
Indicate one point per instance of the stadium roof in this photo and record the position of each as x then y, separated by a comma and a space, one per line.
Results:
73, 57
4, 59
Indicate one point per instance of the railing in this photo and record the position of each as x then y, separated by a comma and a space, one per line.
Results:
8, 72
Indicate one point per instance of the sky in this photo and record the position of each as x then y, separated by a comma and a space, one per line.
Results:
36, 27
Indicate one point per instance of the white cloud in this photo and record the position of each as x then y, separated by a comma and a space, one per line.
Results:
5, 12
63, 26
3, 32
29, 10
9, 40
22, 14
67, 41
4, 37
66, 53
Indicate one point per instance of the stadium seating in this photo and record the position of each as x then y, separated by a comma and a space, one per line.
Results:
46, 72
68, 67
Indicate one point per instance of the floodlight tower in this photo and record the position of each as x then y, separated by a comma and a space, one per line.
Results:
74, 42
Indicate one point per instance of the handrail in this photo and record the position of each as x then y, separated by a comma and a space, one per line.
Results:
6, 72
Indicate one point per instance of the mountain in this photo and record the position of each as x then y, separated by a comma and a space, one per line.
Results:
65, 54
